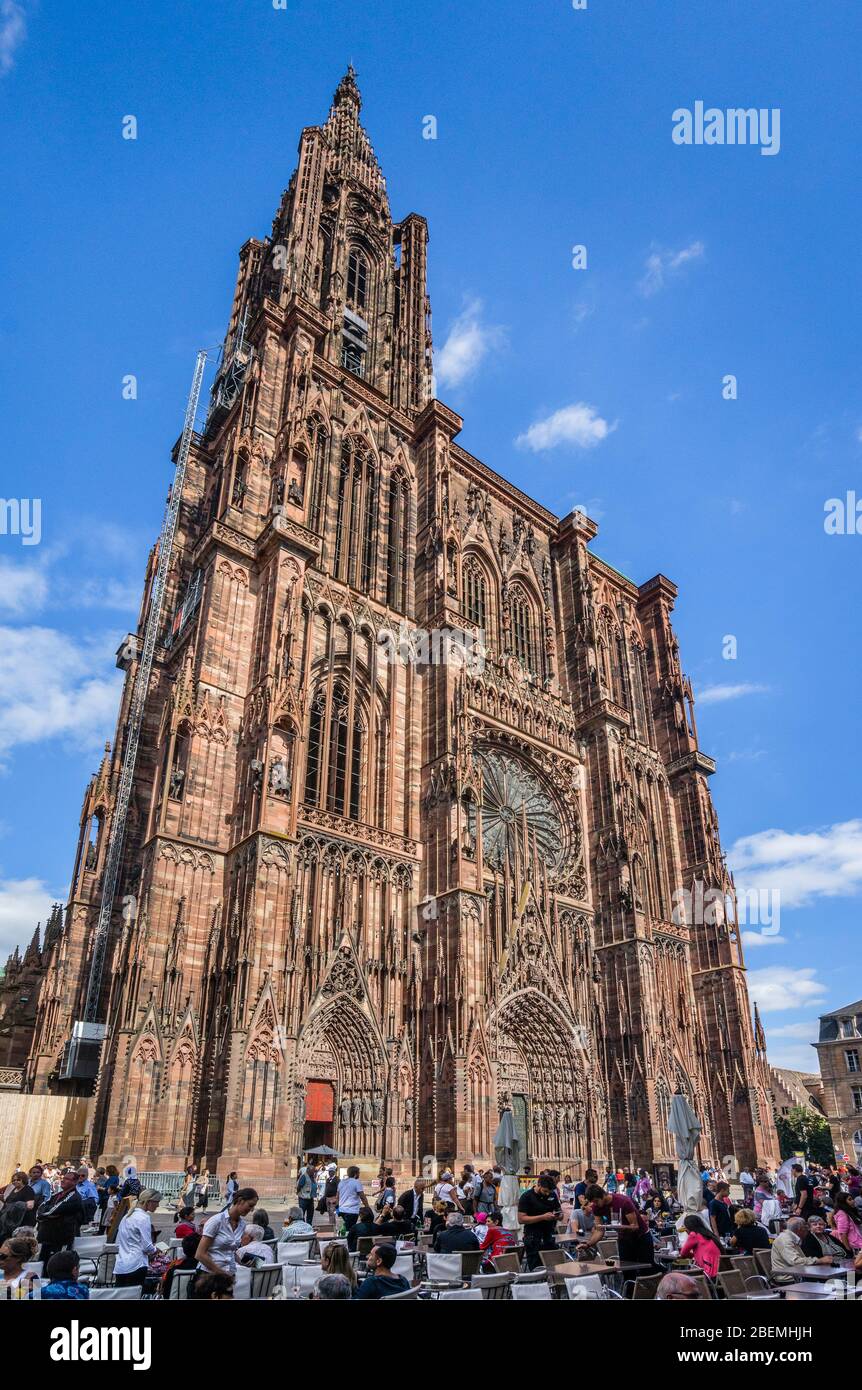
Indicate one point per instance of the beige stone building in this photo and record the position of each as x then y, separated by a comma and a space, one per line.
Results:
421, 827
839, 1051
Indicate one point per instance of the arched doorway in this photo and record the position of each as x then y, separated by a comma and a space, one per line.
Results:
541, 1077
342, 1070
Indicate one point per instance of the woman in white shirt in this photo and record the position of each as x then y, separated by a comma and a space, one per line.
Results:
446, 1191
135, 1241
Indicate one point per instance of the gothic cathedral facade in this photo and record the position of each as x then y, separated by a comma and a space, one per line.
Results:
419, 781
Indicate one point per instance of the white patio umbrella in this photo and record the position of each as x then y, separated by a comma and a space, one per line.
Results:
507, 1152
685, 1128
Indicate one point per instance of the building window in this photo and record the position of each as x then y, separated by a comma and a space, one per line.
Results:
357, 279
318, 480
355, 550
397, 543
856, 1093
345, 757
317, 719
475, 595
523, 630
341, 775
354, 343
852, 1056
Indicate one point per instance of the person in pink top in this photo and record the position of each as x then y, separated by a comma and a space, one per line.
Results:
701, 1246
847, 1223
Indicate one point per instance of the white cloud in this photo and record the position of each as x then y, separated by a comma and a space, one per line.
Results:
469, 342
757, 938
778, 987
52, 686
575, 424
718, 694
23, 903
792, 1056
13, 31
23, 588
662, 265
29, 586
825, 863
807, 1030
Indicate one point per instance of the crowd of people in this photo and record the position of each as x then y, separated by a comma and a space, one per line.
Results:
805, 1214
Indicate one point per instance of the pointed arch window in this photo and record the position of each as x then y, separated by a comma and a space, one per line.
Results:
355, 547
319, 439
346, 734
475, 595
336, 753
357, 279
397, 543
523, 629
316, 723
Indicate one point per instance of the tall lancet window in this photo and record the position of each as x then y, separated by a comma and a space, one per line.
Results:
397, 543
523, 629
345, 756
475, 594
357, 280
316, 725
355, 547
320, 440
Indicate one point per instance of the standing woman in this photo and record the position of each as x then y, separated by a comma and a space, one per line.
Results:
231, 1189
202, 1189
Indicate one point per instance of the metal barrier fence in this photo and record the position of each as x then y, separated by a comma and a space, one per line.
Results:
169, 1185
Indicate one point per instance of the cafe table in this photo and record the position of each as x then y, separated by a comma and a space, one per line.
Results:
823, 1273
576, 1269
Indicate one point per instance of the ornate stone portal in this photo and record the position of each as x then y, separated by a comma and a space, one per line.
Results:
374, 892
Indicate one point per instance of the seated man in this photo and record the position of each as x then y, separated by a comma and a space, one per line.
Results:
788, 1257
393, 1222
379, 1281
252, 1248
676, 1288
365, 1225
454, 1236
295, 1225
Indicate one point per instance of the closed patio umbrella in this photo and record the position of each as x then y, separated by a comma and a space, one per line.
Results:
507, 1152
685, 1128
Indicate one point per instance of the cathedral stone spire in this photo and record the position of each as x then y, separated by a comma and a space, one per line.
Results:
348, 138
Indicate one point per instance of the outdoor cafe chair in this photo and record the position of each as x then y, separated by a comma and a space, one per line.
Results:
732, 1283
104, 1275
134, 1291
407, 1295
582, 1286
180, 1284
554, 1257
507, 1263
444, 1267
88, 1250
531, 1293
463, 1295
404, 1265
265, 1280
494, 1286
763, 1260
646, 1286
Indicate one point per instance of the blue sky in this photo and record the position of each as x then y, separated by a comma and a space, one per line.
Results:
599, 387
